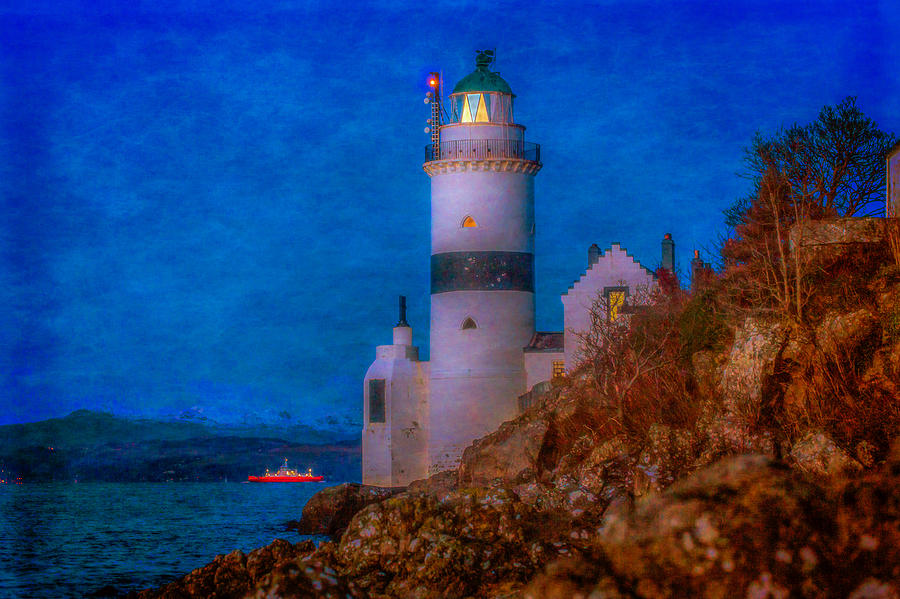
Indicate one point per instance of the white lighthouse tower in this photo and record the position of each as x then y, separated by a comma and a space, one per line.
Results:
482, 263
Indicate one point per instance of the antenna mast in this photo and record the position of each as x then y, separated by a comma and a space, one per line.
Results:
437, 113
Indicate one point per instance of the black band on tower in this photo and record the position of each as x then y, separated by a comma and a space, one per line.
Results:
482, 271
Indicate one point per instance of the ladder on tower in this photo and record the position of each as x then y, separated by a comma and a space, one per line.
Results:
437, 116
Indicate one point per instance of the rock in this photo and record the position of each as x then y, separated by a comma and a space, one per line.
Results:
669, 454
329, 511
725, 434
829, 239
229, 576
305, 578
873, 588
416, 546
839, 335
743, 527
261, 561
505, 453
439, 485
605, 473
815, 453
750, 365
568, 578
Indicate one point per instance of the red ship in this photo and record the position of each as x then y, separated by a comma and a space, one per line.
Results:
286, 475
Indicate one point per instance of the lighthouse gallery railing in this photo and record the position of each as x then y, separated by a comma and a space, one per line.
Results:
483, 149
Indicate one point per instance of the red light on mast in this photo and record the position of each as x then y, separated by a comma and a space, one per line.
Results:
432, 82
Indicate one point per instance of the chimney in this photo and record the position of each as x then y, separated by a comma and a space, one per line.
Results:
700, 271
593, 254
402, 330
402, 322
668, 253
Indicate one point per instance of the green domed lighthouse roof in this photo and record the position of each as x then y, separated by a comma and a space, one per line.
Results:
481, 79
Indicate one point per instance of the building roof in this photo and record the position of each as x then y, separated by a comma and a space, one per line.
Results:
894, 149
482, 79
617, 245
546, 342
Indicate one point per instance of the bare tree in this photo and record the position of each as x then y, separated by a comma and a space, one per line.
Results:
834, 166
631, 363
762, 271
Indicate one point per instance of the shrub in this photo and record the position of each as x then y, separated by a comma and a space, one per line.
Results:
701, 324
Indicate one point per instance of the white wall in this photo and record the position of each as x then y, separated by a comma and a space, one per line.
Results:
502, 204
893, 181
539, 366
476, 375
615, 267
395, 451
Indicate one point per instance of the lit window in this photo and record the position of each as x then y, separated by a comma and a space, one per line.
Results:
559, 368
376, 400
469, 222
465, 116
481, 115
615, 301
468, 323
472, 102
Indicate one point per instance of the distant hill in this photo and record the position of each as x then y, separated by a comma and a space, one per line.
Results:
87, 428
96, 446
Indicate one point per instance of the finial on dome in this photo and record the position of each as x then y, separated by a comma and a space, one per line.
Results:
484, 58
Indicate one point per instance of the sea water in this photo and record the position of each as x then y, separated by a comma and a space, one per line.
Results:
71, 539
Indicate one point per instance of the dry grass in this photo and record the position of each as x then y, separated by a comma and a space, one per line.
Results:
856, 410
636, 377
892, 237
633, 374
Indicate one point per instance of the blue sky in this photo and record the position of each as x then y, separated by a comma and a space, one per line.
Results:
213, 206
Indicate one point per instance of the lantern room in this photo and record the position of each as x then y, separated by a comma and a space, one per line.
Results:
482, 96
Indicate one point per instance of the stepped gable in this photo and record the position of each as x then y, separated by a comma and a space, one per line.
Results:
603, 254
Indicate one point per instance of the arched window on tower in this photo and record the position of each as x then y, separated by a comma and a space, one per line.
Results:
468, 323
469, 222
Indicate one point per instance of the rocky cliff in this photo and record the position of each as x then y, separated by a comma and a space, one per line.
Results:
755, 457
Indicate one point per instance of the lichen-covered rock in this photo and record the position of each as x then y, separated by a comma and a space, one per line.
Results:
568, 578
261, 561
839, 335
329, 511
744, 527
827, 240
725, 434
307, 577
605, 473
229, 576
816, 454
505, 453
416, 546
439, 485
872, 588
750, 363
669, 454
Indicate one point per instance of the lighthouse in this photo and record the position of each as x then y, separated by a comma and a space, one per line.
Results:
487, 362
482, 262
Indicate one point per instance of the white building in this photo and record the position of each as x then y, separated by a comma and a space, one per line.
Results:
893, 181
484, 350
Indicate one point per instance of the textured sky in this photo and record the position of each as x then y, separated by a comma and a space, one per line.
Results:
212, 206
